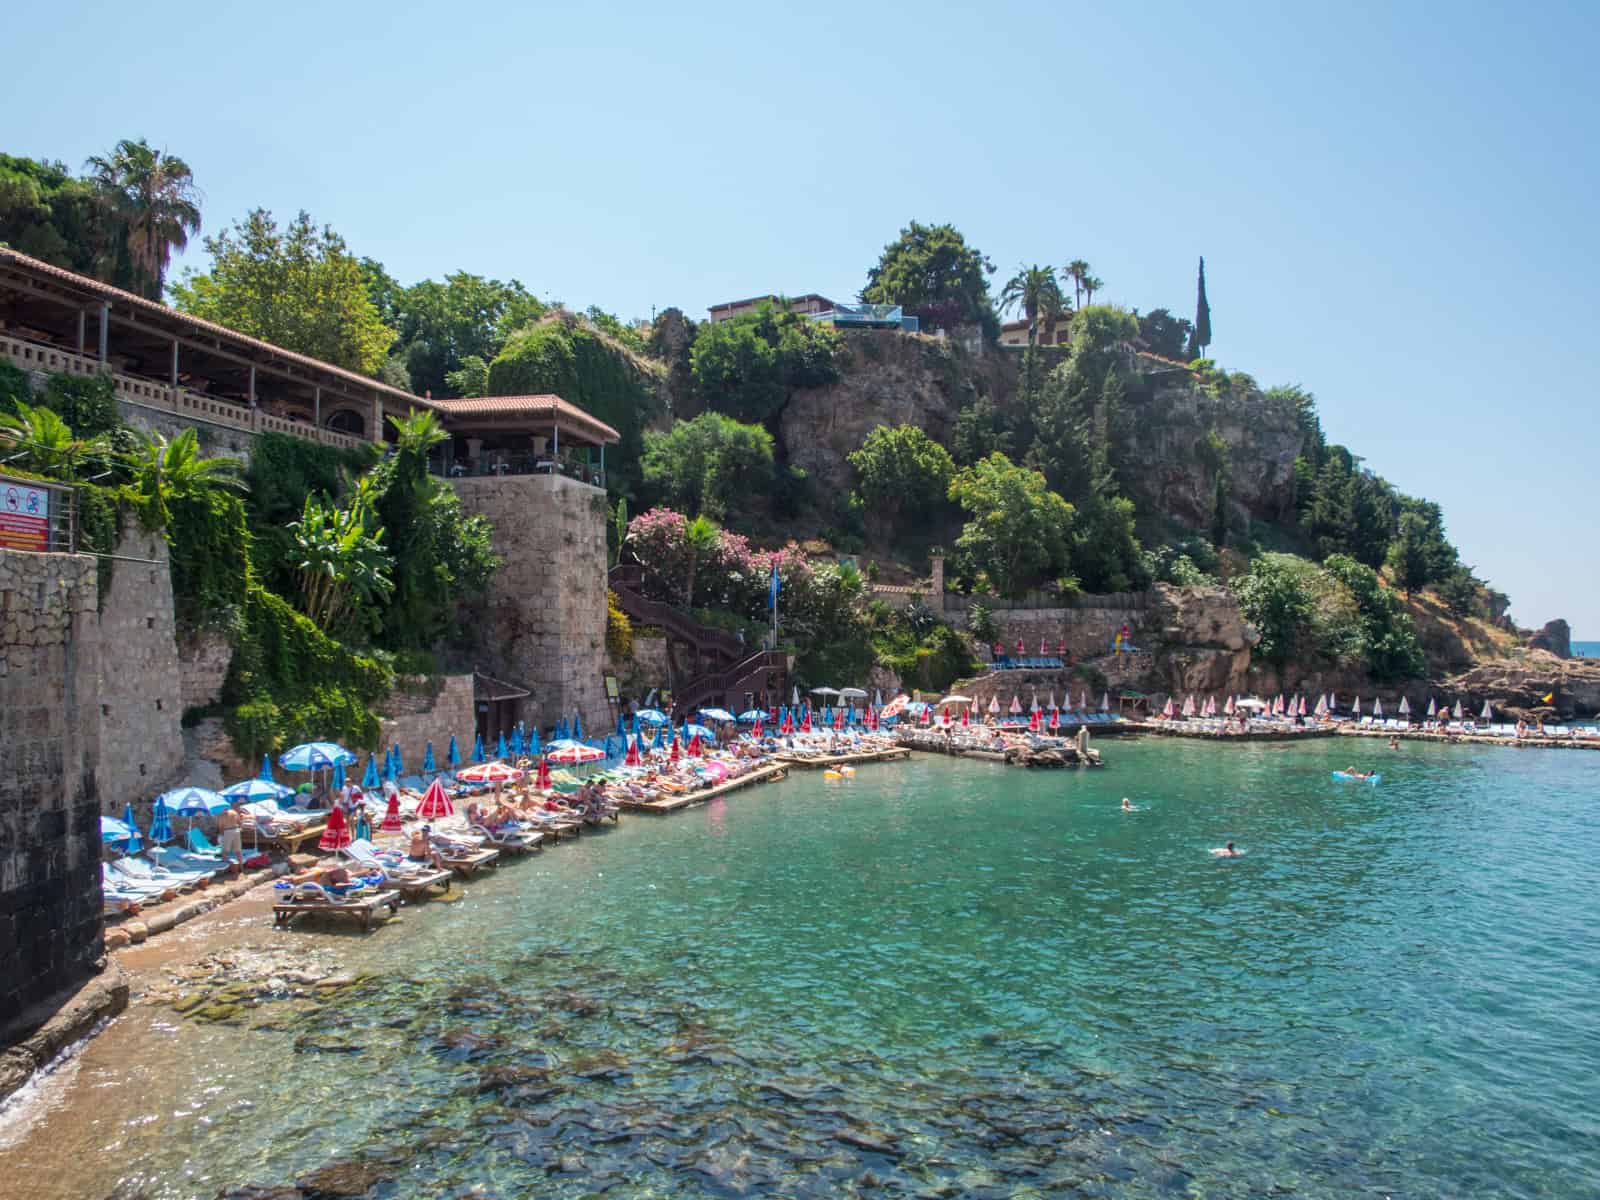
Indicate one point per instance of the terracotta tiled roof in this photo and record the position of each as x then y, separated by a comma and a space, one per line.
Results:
117, 296
545, 407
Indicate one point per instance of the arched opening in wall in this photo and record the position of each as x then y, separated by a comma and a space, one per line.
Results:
347, 420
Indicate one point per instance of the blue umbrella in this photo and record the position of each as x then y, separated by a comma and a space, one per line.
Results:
533, 740
387, 770
562, 734
369, 780
657, 743
477, 749
429, 767
256, 789
690, 731
191, 801
160, 823
393, 771
622, 729
500, 748
577, 726
516, 740
338, 777
453, 758
266, 769
399, 761
113, 831
751, 717
314, 756
652, 716
135, 842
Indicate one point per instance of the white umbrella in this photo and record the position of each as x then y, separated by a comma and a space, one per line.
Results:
824, 691
994, 704
794, 696
877, 698
1430, 706
1377, 707
1405, 707
1488, 711
1322, 706
852, 693
1188, 705
1357, 706
1016, 704
1105, 701
1167, 710
1034, 707
1252, 702
1083, 702
956, 700
1228, 707
1302, 706
1052, 700
1458, 710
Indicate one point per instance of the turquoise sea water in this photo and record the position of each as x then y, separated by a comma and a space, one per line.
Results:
943, 979
1586, 649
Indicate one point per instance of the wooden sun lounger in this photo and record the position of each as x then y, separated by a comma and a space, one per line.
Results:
290, 843
468, 865
364, 909
420, 885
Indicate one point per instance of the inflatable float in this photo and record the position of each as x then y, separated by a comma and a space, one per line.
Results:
1346, 777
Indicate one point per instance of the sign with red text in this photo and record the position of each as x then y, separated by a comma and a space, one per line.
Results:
24, 517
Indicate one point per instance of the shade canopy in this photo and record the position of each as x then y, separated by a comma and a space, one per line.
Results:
491, 772
315, 756
192, 801
853, 693
113, 831
435, 803
717, 714
652, 716
255, 789
570, 752
824, 691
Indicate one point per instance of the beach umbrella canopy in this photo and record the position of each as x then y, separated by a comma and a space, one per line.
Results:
1105, 701
717, 714
338, 777
1488, 711
1167, 710
622, 728
391, 815
429, 766
1431, 707
1405, 707
113, 831
266, 769
160, 823
489, 772
135, 842
1456, 712
571, 753
516, 741
1016, 705
660, 738
337, 833
652, 716
1228, 707
824, 691
577, 726
435, 803
1188, 706
501, 749
699, 731
1377, 708
314, 756
191, 801
1322, 706
542, 779
478, 755
452, 756
752, 716
533, 741
805, 722
694, 746
369, 778
631, 758
255, 789
399, 760
1055, 718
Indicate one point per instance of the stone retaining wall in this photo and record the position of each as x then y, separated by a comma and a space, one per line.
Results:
411, 718
50, 921
141, 694
203, 661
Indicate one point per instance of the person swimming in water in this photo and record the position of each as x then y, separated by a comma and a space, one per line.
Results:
1127, 805
1226, 851
1355, 774
1394, 743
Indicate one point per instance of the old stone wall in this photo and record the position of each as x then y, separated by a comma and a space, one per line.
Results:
141, 693
648, 668
203, 661
216, 440
428, 711
544, 623
50, 922
1088, 632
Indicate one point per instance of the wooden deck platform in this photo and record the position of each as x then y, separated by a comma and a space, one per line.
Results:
468, 865
355, 910
844, 760
675, 803
418, 887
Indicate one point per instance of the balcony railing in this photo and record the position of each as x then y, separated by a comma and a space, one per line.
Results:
161, 397
518, 464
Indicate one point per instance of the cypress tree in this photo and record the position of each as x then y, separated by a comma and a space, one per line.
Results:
1201, 337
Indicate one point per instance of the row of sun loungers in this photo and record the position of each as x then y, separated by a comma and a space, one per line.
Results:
134, 880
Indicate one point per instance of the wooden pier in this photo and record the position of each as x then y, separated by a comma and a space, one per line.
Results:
671, 804
843, 760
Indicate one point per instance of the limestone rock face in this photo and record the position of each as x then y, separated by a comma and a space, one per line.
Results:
1523, 683
888, 378
1556, 637
1172, 416
1201, 641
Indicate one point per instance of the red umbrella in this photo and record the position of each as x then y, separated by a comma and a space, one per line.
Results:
1044, 646
1021, 649
489, 772
672, 755
542, 780
758, 731
1033, 721
631, 759
391, 818
1055, 718
694, 746
787, 727
964, 717
337, 833
772, 715
805, 722
838, 718
435, 803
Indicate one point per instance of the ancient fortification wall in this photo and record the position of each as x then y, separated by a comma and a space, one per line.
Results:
50, 923
141, 693
412, 717
545, 621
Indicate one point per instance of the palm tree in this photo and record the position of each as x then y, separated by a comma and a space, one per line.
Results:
1077, 270
699, 537
1091, 285
1051, 310
152, 194
41, 441
165, 471
1033, 289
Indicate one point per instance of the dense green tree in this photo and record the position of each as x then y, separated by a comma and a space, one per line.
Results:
1407, 558
700, 537
35, 438
298, 287
748, 366
1388, 639
1106, 555
165, 471
442, 556
1273, 597
1164, 334
1349, 511
1460, 590
155, 205
1200, 336
47, 213
1017, 529
712, 464
980, 431
1035, 292
900, 470
930, 271
444, 325
1080, 409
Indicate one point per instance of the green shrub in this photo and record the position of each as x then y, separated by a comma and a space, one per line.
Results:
619, 630
87, 403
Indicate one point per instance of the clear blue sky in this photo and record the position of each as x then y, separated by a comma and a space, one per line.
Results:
1396, 204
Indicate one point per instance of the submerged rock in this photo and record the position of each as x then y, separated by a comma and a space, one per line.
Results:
337, 1179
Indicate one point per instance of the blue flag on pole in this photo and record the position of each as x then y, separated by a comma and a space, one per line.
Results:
774, 586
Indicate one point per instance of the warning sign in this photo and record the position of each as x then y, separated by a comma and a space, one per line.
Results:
24, 517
